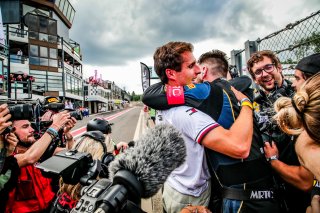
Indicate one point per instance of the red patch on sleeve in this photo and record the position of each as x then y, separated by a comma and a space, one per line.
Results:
175, 95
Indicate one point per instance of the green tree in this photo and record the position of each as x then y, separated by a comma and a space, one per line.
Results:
135, 97
307, 46
132, 95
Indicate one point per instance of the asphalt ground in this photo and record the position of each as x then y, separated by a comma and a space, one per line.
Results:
85, 120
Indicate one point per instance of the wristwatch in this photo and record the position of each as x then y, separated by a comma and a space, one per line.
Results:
273, 157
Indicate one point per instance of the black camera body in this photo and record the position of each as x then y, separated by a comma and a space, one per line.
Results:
21, 112
233, 70
122, 194
268, 126
54, 104
56, 107
76, 114
90, 195
71, 165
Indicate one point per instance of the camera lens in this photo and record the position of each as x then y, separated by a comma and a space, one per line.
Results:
21, 112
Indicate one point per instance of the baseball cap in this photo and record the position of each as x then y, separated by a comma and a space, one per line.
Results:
243, 84
310, 64
51, 99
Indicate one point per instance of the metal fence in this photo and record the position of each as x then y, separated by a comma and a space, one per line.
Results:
292, 43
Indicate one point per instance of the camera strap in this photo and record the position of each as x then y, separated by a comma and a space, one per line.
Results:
96, 135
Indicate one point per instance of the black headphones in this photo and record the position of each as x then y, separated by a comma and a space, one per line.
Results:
106, 158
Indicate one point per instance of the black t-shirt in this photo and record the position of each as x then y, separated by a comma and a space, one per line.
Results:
297, 200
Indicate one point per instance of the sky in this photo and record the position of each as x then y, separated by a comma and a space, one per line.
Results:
115, 36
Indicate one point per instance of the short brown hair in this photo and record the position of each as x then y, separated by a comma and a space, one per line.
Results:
169, 56
218, 58
258, 56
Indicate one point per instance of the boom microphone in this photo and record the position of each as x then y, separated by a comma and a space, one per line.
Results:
137, 173
155, 155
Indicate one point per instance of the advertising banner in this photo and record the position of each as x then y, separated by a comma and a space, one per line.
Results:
145, 76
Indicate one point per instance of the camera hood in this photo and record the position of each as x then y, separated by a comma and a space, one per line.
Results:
70, 164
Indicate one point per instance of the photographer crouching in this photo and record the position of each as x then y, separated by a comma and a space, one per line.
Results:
32, 192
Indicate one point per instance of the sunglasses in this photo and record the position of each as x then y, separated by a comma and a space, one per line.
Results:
267, 68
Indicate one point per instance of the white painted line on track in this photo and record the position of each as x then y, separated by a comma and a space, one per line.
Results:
77, 132
137, 132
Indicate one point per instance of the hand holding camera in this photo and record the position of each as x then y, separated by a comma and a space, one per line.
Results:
60, 119
69, 125
66, 130
12, 142
4, 117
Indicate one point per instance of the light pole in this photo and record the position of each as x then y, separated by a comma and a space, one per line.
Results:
8, 67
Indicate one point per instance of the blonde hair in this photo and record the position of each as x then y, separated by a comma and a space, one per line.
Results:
302, 112
88, 145
109, 143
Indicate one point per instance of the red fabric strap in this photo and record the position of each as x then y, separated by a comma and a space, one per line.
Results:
175, 95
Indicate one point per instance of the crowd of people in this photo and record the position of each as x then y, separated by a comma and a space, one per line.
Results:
246, 151
23, 187
69, 105
242, 144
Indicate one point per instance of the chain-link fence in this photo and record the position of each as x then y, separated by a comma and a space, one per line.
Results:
296, 40
292, 43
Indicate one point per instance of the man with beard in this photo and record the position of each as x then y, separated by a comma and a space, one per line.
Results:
266, 70
32, 192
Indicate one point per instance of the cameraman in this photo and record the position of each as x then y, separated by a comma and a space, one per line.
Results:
265, 69
33, 192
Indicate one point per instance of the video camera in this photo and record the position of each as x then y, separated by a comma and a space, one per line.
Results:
233, 71
72, 166
54, 104
122, 194
19, 110
76, 114
268, 126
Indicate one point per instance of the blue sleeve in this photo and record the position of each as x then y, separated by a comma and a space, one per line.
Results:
155, 96
197, 91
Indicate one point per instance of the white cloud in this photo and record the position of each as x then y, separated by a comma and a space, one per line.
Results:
116, 35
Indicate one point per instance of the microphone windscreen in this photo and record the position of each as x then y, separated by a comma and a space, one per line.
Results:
155, 155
